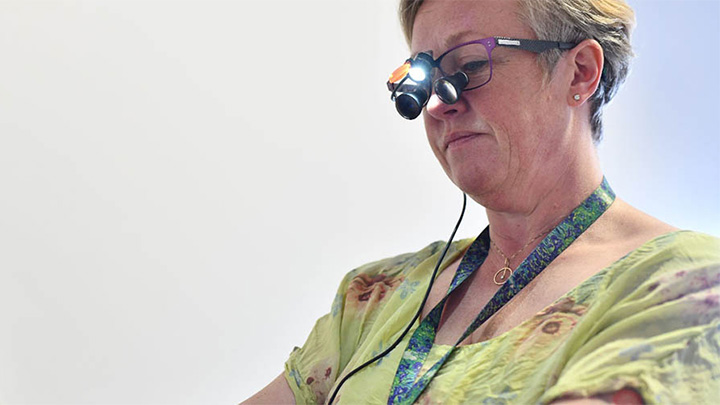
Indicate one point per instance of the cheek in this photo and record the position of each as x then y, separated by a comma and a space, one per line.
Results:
519, 109
514, 112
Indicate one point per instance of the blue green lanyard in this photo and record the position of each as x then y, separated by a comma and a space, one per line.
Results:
407, 386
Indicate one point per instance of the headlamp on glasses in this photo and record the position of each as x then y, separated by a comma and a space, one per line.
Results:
410, 85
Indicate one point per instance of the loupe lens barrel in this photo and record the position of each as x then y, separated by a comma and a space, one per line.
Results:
412, 91
449, 88
410, 104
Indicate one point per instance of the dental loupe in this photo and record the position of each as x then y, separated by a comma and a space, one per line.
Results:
411, 85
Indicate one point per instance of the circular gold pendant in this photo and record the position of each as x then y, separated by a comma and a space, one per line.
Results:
502, 275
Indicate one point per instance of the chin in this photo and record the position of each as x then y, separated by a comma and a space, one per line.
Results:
475, 183
487, 187
475, 173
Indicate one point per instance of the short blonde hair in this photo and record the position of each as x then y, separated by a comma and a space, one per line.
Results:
610, 22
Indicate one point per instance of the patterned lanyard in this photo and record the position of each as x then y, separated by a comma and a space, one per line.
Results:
407, 386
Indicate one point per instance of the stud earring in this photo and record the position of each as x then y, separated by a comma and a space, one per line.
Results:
576, 97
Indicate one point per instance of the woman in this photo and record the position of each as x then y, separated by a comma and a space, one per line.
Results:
571, 295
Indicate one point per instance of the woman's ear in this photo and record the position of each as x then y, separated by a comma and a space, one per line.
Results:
586, 64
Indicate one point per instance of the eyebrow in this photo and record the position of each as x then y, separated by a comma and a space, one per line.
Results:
455, 38
449, 42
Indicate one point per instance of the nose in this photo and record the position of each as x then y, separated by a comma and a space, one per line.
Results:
441, 111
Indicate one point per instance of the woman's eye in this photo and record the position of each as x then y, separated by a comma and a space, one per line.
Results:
474, 66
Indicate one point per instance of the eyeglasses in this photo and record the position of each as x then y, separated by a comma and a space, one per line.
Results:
461, 68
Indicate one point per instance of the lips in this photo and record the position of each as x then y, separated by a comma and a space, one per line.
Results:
457, 138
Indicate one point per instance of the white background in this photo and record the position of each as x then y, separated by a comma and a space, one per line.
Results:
184, 184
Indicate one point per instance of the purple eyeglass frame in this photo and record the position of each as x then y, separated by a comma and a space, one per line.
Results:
490, 43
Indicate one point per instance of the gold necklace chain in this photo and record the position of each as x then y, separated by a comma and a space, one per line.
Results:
502, 275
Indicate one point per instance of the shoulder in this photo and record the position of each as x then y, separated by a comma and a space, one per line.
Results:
627, 224
674, 251
624, 230
627, 239
393, 270
389, 289
397, 263
684, 245
674, 266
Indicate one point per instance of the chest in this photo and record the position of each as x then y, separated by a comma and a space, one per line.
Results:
465, 303
475, 373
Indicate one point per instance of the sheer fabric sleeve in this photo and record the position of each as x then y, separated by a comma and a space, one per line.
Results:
655, 329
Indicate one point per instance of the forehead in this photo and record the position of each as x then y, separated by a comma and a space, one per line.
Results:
440, 24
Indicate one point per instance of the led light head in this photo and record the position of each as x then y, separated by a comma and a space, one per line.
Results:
417, 74
449, 88
421, 67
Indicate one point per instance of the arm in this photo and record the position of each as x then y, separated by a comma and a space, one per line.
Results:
277, 392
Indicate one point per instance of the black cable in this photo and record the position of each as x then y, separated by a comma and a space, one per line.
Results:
417, 315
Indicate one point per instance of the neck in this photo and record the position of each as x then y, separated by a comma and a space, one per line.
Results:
541, 207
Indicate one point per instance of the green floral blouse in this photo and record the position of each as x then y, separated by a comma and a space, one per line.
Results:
649, 322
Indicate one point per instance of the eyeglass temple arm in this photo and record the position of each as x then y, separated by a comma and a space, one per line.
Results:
533, 45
